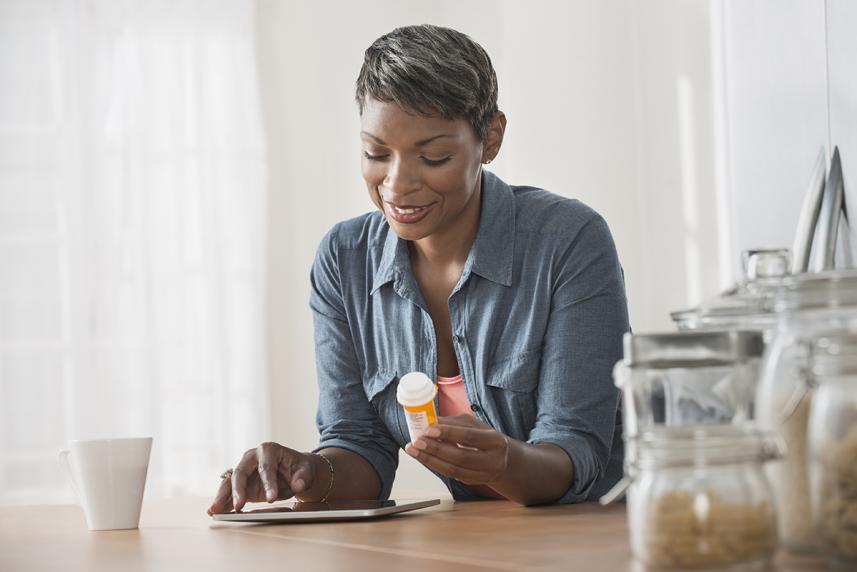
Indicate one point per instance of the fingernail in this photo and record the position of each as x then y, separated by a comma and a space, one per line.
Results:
235, 501
420, 444
299, 486
433, 432
269, 494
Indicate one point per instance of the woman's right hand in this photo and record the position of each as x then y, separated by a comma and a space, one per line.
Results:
267, 473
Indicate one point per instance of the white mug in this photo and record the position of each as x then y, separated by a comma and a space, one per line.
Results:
109, 476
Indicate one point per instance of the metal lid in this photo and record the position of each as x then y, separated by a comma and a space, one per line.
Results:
692, 349
830, 289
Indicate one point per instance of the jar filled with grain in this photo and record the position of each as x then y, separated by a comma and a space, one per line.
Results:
685, 379
809, 307
699, 498
832, 444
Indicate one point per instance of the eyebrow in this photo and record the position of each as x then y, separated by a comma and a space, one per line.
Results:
380, 141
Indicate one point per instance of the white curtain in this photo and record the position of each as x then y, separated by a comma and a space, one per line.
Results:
132, 233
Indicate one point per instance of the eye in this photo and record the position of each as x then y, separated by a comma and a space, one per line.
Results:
435, 162
371, 157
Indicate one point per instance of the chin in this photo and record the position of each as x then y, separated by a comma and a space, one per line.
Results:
408, 231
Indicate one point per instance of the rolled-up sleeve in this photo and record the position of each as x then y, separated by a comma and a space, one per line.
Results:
577, 400
345, 418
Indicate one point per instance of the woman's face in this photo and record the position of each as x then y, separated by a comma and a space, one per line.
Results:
422, 172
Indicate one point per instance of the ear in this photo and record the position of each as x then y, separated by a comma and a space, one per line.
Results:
494, 137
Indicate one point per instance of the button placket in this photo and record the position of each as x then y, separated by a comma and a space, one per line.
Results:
462, 355
408, 290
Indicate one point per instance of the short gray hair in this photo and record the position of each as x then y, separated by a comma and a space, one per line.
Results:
431, 71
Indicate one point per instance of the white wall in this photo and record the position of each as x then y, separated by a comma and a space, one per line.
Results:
776, 113
608, 102
790, 90
842, 61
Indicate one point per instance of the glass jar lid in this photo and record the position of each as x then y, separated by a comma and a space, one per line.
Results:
704, 445
691, 348
830, 289
748, 304
739, 308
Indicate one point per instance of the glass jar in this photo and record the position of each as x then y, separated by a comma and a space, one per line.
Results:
684, 379
688, 378
832, 438
699, 498
808, 306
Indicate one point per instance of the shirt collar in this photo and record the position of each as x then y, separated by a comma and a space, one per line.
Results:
395, 256
493, 251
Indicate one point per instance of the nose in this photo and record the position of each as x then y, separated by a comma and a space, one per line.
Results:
401, 179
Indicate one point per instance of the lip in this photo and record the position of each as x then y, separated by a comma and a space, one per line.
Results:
407, 218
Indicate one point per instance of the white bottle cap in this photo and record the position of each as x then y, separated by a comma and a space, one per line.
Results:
415, 389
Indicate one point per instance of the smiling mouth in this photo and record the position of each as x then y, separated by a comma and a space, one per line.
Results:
407, 210
407, 214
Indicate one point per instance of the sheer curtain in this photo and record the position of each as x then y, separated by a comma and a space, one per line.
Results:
132, 238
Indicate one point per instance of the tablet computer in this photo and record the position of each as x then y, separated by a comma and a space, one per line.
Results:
325, 511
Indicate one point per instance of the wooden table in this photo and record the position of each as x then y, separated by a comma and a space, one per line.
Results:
178, 535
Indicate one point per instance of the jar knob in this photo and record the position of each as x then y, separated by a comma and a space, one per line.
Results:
766, 263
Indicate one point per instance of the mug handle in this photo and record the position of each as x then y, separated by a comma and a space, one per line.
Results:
62, 457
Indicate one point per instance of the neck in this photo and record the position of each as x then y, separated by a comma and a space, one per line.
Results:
451, 245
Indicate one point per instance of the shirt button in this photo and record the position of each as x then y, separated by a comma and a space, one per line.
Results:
474, 408
457, 338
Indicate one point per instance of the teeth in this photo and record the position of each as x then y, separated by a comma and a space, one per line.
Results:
407, 211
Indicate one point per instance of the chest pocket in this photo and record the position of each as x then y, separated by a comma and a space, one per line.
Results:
513, 384
380, 388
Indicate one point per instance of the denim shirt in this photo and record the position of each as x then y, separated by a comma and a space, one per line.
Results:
537, 320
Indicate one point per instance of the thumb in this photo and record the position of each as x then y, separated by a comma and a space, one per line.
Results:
302, 478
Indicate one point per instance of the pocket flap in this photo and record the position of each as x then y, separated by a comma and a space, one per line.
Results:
376, 383
517, 373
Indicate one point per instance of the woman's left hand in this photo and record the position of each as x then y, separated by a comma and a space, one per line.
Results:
463, 448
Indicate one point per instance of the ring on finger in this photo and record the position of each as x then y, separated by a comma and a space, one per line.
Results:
227, 474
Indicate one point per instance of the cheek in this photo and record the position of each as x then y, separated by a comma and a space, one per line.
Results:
371, 172
455, 183
373, 178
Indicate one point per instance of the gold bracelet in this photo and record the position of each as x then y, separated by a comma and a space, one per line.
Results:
332, 477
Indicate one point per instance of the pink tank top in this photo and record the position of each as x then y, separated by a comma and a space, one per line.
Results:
452, 400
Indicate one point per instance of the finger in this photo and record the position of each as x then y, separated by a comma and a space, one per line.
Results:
453, 453
267, 467
242, 471
481, 439
224, 494
462, 420
228, 506
465, 475
224, 506
285, 491
284, 478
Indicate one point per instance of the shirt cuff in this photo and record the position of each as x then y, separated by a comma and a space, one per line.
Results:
384, 466
587, 469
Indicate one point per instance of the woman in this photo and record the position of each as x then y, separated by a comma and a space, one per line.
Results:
511, 297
